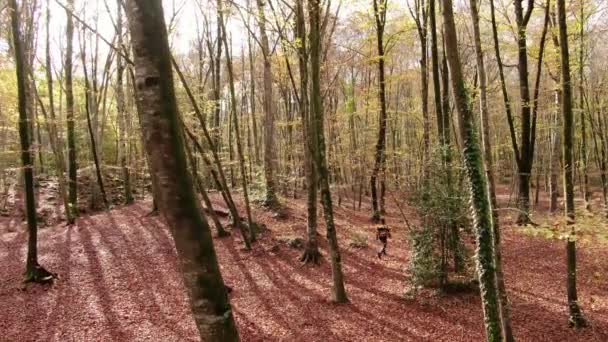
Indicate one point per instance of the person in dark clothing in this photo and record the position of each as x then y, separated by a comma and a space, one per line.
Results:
383, 233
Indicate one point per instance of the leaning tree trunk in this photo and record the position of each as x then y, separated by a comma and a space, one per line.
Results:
480, 205
576, 316
33, 271
221, 232
90, 103
316, 107
177, 202
69, 116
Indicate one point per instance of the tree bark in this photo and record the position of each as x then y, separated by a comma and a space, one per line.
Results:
160, 123
480, 206
379, 156
33, 271
121, 112
56, 142
69, 116
505, 318
271, 199
311, 249
239, 145
314, 36
576, 316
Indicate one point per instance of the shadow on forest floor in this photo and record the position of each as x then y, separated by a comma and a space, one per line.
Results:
118, 281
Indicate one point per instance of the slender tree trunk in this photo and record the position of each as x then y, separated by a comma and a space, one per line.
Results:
507, 331
379, 157
33, 271
555, 150
311, 250
221, 232
121, 115
435, 72
69, 103
581, 92
314, 37
218, 176
239, 145
91, 106
160, 123
56, 141
602, 155
576, 316
480, 206
271, 199
254, 124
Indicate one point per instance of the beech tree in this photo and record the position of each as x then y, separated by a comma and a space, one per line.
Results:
317, 134
576, 316
69, 104
163, 141
34, 272
379, 156
481, 207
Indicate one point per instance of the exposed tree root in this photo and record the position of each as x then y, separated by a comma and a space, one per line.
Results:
39, 275
577, 322
311, 255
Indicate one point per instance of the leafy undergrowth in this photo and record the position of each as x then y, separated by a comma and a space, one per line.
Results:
118, 282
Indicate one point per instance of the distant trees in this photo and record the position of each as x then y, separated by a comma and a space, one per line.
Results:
163, 139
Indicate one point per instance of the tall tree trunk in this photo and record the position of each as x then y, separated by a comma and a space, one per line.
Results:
602, 153
239, 145
435, 72
221, 232
581, 101
69, 116
270, 199
576, 316
218, 176
56, 141
121, 115
160, 124
555, 150
379, 156
507, 331
420, 15
526, 155
90, 105
480, 206
316, 103
311, 250
33, 271
254, 124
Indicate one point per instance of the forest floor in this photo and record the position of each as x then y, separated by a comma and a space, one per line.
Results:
118, 280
